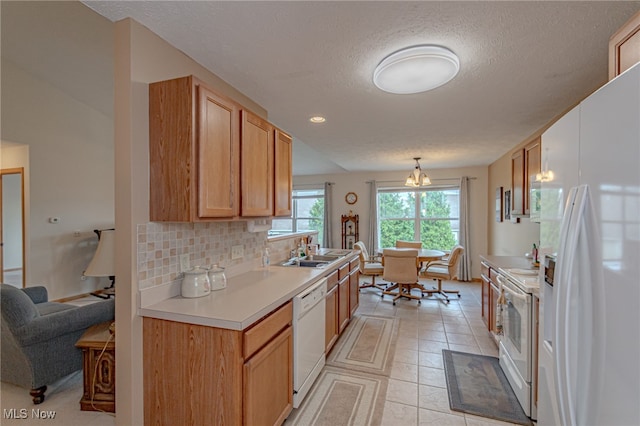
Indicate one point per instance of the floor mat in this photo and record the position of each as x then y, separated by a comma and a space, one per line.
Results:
366, 345
477, 385
342, 397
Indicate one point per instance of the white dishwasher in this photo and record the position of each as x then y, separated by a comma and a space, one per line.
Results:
308, 338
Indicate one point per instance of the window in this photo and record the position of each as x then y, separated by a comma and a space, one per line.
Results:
427, 215
307, 214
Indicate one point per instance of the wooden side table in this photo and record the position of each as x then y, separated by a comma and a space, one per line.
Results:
100, 382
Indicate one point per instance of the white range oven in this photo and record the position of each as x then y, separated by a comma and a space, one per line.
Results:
518, 344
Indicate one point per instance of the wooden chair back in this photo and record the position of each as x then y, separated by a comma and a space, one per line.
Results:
408, 244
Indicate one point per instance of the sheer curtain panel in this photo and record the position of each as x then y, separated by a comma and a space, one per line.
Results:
465, 238
328, 207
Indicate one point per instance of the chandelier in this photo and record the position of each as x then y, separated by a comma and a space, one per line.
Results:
417, 177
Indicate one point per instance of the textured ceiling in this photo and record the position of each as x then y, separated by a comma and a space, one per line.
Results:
522, 64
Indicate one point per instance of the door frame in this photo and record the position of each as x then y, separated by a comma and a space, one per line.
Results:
14, 171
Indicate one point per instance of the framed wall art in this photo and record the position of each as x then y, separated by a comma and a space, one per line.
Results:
499, 204
507, 205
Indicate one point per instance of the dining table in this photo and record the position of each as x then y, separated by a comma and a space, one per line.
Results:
424, 255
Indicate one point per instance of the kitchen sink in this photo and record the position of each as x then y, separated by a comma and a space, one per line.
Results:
306, 263
324, 257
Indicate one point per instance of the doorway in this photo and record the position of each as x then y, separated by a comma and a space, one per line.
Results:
12, 227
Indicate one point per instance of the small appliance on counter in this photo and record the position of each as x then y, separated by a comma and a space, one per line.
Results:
195, 283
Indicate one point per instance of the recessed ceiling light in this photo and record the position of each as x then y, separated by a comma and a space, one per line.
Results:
317, 119
416, 69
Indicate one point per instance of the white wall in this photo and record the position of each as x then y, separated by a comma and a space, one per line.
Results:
357, 182
70, 138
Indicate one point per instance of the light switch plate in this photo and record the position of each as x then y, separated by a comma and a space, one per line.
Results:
237, 252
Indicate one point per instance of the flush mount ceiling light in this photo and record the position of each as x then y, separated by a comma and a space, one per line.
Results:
417, 177
416, 69
317, 119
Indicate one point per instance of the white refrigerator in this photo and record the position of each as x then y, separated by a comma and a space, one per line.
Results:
589, 351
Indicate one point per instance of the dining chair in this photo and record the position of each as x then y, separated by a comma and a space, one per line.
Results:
408, 244
370, 266
401, 267
446, 269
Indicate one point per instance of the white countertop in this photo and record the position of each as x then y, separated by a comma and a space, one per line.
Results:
247, 297
509, 266
529, 283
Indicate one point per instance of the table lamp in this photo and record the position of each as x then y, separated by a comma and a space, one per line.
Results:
103, 264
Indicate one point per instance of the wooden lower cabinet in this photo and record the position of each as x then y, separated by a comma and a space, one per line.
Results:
493, 303
343, 303
486, 305
268, 382
331, 324
354, 292
486, 289
196, 375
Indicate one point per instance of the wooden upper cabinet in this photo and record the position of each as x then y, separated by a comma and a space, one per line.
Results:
525, 165
193, 152
532, 164
256, 166
211, 159
217, 156
283, 185
517, 182
624, 47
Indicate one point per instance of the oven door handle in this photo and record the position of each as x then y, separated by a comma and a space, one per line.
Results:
504, 284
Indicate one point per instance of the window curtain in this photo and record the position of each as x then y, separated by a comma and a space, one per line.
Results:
328, 208
372, 244
464, 268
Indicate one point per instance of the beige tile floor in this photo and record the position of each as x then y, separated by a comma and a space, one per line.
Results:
416, 395
417, 392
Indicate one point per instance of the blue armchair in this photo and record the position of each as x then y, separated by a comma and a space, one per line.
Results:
38, 337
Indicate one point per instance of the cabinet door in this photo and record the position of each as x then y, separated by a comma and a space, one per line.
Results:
331, 324
256, 165
493, 302
217, 156
486, 307
624, 47
532, 155
354, 292
517, 182
283, 174
343, 303
268, 382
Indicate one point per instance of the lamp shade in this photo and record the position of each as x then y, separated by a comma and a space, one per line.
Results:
103, 264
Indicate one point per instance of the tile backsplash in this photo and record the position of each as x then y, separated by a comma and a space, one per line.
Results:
161, 244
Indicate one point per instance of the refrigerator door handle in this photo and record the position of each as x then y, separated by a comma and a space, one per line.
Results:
568, 242
593, 298
581, 271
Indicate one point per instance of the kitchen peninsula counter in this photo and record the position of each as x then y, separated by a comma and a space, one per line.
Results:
247, 297
229, 354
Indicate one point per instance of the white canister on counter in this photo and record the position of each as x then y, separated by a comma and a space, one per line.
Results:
217, 278
195, 283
